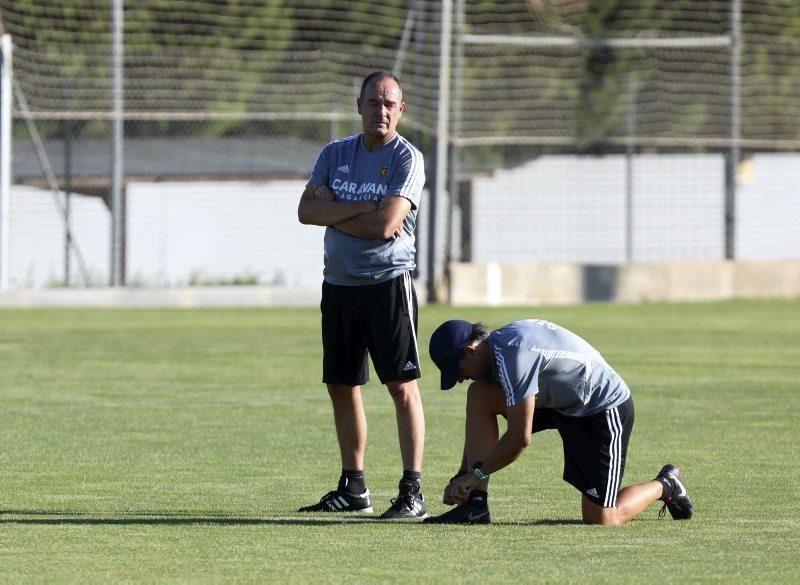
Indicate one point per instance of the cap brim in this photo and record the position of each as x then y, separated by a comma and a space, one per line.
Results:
449, 378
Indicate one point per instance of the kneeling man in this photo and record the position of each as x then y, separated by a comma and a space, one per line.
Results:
541, 376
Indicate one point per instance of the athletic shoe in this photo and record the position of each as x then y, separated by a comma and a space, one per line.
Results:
463, 514
341, 501
406, 506
679, 504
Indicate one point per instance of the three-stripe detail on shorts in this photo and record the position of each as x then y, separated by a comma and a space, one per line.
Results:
407, 284
615, 457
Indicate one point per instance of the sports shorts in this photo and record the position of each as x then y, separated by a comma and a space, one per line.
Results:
379, 320
595, 448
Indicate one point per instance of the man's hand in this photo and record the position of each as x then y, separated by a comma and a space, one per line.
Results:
385, 224
461, 487
448, 498
322, 192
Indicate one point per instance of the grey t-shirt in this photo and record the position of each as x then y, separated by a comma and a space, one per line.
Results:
355, 174
534, 357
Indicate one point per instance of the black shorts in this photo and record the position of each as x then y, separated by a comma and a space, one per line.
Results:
379, 319
595, 448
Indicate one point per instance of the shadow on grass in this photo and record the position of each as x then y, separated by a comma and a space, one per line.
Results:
558, 522
189, 518
178, 518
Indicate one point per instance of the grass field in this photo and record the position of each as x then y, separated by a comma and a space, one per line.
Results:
176, 446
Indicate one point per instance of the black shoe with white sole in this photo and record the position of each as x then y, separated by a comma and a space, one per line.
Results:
341, 501
679, 503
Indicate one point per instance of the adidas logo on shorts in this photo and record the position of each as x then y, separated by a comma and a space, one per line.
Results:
409, 366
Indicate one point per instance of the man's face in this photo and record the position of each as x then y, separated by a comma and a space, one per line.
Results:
473, 366
381, 108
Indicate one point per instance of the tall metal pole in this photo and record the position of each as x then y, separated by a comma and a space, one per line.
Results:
6, 98
629, 152
68, 190
117, 145
405, 39
440, 199
415, 79
732, 165
455, 153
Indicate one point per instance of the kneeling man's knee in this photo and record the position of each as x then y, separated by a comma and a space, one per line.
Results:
486, 396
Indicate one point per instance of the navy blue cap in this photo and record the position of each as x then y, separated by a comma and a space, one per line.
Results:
447, 348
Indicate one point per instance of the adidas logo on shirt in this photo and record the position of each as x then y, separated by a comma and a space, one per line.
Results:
409, 366
344, 169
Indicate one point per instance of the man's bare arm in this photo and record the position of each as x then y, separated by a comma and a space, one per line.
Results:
510, 446
384, 223
317, 207
516, 438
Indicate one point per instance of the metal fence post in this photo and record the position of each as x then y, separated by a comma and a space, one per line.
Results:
630, 151
6, 98
732, 165
440, 197
117, 159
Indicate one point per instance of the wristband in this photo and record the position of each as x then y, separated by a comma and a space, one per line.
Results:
476, 469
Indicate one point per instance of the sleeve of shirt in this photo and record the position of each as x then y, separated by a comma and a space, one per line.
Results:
517, 371
408, 178
321, 173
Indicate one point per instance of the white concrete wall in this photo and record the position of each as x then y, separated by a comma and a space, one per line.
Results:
768, 207
36, 239
573, 209
557, 208
215, 232
678, 208
552, 210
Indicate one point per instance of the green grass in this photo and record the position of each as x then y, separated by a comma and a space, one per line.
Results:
176, 446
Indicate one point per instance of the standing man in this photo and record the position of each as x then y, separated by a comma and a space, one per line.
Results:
366, 189
541, 376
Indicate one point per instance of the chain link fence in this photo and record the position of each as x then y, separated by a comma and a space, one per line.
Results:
577, 131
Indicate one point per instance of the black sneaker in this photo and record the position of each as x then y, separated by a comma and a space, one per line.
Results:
463, 514
341, 501
406, 505
679, 504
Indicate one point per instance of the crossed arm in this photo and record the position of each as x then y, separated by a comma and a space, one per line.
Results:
363, 219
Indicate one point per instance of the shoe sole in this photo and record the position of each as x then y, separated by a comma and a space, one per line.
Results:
479, 523
403, 518
361, 511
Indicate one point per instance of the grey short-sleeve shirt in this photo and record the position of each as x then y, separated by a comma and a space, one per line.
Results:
355, 174
534, 357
